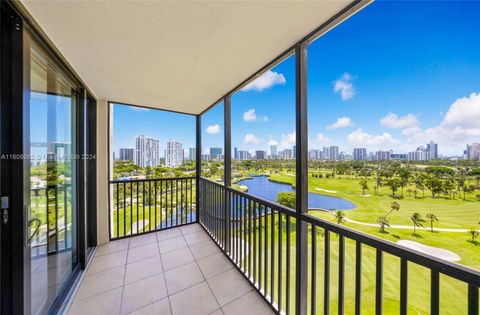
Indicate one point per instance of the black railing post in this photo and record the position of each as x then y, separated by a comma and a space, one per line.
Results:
227, 167
301, 180
198, 165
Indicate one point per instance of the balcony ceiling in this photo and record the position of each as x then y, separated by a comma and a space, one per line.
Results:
180, 56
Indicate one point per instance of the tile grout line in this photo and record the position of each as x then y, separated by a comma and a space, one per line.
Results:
124, 277
165, 279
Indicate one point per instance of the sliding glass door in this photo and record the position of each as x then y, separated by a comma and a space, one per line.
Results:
52, 214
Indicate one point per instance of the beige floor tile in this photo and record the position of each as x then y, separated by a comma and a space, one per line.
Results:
214, 265
197, 300
143, 269
161, 307
171, 244
101, 282
177, 258
143, 292
217, 312
250, 304
191, 228
196, 237
101, 304
113, 246
142, 252
204, 249
228, 286
183, 277
143, 240
107, 261
167, 234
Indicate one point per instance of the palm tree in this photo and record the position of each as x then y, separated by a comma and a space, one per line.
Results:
473, 234
417, 221
364, 185
383, 221
339, 216
395, 206
431, 217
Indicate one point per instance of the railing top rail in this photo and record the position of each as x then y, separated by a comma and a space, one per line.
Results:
265, 202
457, 271
149, 179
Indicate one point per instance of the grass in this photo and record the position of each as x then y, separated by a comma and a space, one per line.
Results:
453, 213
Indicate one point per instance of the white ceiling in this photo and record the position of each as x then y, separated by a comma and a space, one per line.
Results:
180, 56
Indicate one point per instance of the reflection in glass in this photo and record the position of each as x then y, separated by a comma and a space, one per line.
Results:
52, 216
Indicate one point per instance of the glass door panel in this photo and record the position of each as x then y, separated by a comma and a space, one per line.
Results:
52, 219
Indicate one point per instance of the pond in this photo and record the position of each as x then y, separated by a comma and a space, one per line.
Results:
264, 188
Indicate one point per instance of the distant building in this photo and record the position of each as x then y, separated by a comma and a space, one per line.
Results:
260, 155
333, 153
147, 151
399, 156
273, 151
286, 154
192, 154
314, 154
421, 154
235, 153
244, 155
215, 152
126, 154
432, 148
382, 155
294, 152
473, 151
205, 157
174, 154
359, 154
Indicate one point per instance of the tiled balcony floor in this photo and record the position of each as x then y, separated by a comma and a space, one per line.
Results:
178, 271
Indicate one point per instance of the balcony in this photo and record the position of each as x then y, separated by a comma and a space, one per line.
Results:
175, 271
189, 242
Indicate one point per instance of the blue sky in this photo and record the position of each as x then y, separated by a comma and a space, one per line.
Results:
394, 76
129, 122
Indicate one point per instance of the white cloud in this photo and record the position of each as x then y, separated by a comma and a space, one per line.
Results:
391, 120
251, 139
464, 112
341, 122
321, 140
460, 125
250, 115
344, 86
213, 129
360, 138
272, 142
289, 140
265, 81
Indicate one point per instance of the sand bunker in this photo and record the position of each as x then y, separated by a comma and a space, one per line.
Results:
432, 251
326, 190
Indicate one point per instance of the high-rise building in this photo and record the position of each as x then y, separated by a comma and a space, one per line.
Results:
215, 152
173, 154
432, 148
313, 154
235, 153
243, 155
126, 154
294, 152
147, 151
382, 155
333, 153
273, 151
421, 154
192, 154
473, 151
260, 155
359, 154
287, 154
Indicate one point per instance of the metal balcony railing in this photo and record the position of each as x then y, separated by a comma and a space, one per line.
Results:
259, 237
146, 205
